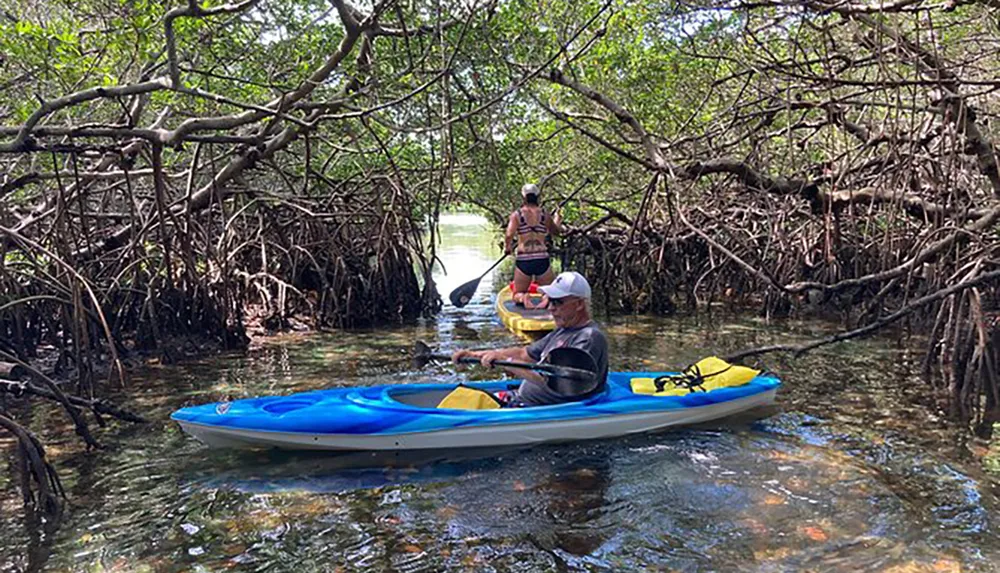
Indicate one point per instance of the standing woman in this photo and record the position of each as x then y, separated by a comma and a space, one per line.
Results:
533, 228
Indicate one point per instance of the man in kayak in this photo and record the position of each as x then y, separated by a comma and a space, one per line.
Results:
533, 228
569, 302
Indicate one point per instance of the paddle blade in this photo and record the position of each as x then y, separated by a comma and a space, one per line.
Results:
578, 375
421, 354
463, 294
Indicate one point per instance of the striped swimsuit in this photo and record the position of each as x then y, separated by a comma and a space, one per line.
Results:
532, 245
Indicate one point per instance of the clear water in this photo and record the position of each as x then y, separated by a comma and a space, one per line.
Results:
850, 471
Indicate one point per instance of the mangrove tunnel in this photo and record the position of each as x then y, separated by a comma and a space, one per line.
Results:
178, 177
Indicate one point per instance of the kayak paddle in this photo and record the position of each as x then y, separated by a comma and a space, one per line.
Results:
569, 369
463, 294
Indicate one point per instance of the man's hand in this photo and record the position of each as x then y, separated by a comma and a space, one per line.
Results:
489, 357
557, 219
460, 354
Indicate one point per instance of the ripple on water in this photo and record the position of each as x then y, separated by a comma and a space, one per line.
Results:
770, 494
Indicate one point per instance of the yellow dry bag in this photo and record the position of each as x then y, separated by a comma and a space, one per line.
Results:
466, 398
703, 376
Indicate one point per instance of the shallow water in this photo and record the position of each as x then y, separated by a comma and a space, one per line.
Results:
848, 472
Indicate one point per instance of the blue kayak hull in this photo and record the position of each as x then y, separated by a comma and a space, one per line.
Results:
403, 417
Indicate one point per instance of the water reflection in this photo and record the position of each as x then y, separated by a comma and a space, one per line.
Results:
690, 500
275, 471
461, 330
575, 501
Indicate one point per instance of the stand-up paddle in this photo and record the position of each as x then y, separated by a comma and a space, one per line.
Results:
463, 294
586, 181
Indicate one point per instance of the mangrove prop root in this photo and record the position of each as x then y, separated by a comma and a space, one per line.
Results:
98, 406
40, 484
57, 394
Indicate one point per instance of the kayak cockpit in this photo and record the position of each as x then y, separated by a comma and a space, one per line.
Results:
425, 398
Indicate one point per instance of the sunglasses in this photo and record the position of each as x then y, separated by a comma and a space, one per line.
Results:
556, 302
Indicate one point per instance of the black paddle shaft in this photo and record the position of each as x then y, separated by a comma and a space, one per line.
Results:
562, 203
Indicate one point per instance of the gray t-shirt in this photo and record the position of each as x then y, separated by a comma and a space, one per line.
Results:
588, 338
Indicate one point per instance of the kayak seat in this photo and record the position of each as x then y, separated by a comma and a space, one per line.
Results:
704, 376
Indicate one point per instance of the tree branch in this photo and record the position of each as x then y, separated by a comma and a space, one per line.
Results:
914, 305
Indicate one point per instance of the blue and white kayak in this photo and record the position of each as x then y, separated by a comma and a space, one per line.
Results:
405, 417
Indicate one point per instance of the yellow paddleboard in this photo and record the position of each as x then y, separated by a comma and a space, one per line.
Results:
521, 320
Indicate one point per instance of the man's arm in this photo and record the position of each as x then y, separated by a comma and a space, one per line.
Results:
513, 353
487, 357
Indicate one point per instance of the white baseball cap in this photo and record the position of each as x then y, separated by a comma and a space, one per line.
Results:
570, 283
530, 189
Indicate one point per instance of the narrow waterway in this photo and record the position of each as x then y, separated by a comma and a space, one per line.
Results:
850, 471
